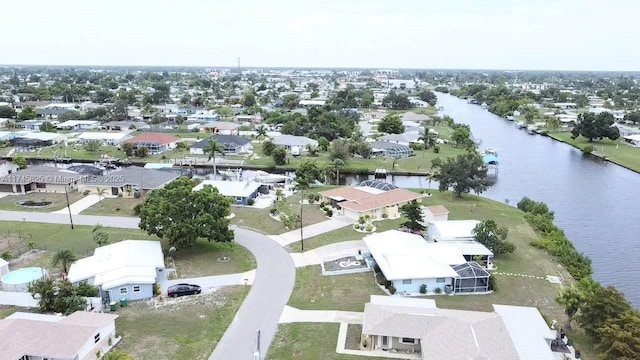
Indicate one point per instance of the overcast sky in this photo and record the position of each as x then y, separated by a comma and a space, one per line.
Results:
451, 34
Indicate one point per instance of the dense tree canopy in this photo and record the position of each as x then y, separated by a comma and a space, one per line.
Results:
428, 96
396, 101
181, 215
7, 112
592, 126
600, 305
633, 117
413, 212
463, 173
391, 124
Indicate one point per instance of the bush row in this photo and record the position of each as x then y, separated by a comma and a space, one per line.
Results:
553, 239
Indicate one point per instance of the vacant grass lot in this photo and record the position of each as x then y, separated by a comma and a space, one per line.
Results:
185, 328
201, 259
59, 201
313, 291
308, 341
615, 150
113, 207
259, 219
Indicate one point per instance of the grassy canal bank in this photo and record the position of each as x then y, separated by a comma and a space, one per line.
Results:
615, 151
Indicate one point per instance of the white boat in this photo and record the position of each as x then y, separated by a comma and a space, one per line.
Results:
231, 173
511, 118
267, 178
490, 151
532, 130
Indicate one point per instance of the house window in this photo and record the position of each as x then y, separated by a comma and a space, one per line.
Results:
124, 291
96, 338
239, 198
408, 341
406, 282
137, 289
41, 185
439, 280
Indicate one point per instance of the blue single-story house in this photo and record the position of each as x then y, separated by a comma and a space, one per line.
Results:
240, 191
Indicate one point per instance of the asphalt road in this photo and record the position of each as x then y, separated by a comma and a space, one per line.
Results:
272, 286
270, 292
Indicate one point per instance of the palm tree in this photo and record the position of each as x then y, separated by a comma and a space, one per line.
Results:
211, 149
261, 132
427, 137
101, 192
64, 258
337, 165
279, 197
302, 185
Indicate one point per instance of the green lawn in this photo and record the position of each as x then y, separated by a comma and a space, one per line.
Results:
113, 207
6, 310
615, 150
59, 201
201, 259
76, 152
308, 341
259, 219
186, 328
313, 291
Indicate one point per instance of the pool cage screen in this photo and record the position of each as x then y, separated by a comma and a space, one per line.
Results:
473, 278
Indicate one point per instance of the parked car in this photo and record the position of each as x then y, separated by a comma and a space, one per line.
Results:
183, 289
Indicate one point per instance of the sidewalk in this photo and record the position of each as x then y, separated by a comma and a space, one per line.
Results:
80, 205
292, 315
312, 230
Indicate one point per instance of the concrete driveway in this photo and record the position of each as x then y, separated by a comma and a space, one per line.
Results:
214, 281
90, 220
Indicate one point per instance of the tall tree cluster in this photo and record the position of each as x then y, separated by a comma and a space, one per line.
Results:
595, 127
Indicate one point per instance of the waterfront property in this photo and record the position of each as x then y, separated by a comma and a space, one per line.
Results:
81, 335
411, 263
240, 191
155, 143
123, 270
79, 125
390, 149
220, 127
29, 141
377, 199
232, 144
125, 125
633, 140
41, 178
291, 142
417, 326
104, 138
132, 181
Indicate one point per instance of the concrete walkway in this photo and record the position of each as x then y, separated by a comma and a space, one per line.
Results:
290, 237
80, 205
328, 253
293, 315
90, 220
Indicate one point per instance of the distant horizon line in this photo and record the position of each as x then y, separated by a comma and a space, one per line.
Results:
231, 67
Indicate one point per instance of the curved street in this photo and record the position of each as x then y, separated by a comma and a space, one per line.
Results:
261, 310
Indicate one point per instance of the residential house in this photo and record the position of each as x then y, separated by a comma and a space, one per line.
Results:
451, 230
390, 150
240, 191
7, 167
8, 135
41, 178
123, 270
233, 145
79, 336
132, 181
294, 143
377, 199
418, 326
104, 138
203, 117
406, 138
156, 143
125, 126
401, 84
315, 102
32, 124
52, 111
254, 119
220, 127
79, 125
633, 140
27, 140
435, 213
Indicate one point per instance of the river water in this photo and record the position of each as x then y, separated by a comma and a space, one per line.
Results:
594, 201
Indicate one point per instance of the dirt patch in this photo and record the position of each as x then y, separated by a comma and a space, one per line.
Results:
209, 298
35, 258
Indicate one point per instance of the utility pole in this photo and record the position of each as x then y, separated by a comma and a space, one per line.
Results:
256, 354
301, 206
66, 194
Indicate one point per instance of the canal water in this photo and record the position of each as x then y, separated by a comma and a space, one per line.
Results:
595, 202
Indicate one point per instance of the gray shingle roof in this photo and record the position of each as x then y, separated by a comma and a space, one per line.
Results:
41, 174
222, 139
147, 179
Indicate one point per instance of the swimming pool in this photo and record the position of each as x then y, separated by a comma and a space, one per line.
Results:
19, 279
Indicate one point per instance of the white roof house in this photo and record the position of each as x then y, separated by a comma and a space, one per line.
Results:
531, 341
124, 262
289, 141
452, 230
402, 255
104, 137
231, 188
79, 124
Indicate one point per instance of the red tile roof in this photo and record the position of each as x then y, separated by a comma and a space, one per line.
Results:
153, 137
